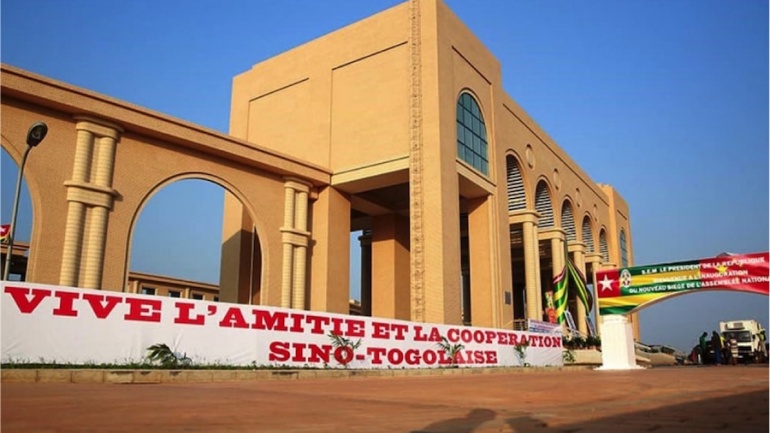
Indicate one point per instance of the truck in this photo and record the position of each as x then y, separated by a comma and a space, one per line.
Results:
750, 337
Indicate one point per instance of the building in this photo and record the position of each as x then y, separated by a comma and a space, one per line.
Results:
397, 126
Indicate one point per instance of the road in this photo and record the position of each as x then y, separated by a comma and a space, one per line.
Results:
663, 400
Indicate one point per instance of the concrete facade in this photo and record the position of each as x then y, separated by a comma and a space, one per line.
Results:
356, 130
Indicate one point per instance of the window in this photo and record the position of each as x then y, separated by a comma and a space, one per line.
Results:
174, 294
197, 296
623, 250
471, 134
148, 290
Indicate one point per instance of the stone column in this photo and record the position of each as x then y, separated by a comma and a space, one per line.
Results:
90, 198
98, 228
366, 273
295, 241
288, 249
577, 249
76, 210
533, 290
299, 286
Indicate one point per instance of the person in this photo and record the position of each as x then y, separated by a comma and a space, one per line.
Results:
716, 344
702, 346
733, 351
725, 349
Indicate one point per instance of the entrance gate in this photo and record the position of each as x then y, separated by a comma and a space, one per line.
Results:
626, 290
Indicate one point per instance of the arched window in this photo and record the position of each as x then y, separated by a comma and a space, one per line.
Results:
623, 250
588, 236
543, 206
603, 248
568, 221
471, 134
517, 199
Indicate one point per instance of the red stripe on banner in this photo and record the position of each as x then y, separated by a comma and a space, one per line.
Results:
745, 273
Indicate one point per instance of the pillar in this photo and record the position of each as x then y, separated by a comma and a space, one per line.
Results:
577, 249
98, 225
90, 199
330, 252
295, 239
390, 267
533, 289
366, 272
76, 211
288, 248
485, 292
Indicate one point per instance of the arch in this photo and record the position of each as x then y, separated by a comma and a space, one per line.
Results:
603, 247
543, 205
588, 234
517, 196
568, 221
623, 249
229, 187
471, 133
30, 189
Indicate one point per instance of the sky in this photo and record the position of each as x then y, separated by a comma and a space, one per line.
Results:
665, 100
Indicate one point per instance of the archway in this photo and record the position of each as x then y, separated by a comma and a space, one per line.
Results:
626, 290
24, 219
173, 263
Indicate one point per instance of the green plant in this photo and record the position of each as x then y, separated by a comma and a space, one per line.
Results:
593, 341
340, 341
163, 355
451, 350
345, 355
521, 352
567, 356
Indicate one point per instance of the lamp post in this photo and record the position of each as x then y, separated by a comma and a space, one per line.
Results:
35, 135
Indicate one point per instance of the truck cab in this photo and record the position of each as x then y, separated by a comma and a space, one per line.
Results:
750, 338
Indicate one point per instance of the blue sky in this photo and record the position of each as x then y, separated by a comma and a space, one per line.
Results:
665, 100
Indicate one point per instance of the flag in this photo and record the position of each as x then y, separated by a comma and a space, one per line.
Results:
580, 285
561, 288
560, 285
5, 231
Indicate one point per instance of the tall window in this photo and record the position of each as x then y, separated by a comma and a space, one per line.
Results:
471, 134
623, 249
603, 248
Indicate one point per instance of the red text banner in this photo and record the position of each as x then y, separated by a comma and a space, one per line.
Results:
43, 323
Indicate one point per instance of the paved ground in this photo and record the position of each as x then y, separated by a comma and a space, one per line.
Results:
661, 400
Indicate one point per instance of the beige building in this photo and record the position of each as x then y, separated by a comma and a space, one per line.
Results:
396, 126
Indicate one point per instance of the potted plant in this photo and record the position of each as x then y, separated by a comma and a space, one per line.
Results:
451, 350
521, 352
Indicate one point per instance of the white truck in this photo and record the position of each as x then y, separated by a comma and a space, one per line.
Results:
750, 338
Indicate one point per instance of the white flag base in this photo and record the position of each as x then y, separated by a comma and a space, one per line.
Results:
618, 352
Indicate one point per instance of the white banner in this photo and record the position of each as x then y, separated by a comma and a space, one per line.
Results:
43, 323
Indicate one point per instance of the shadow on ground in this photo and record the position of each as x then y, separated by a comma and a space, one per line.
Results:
745, 413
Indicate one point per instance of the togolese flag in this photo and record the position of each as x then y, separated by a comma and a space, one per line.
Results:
580, 285
561, 288
5, 230
560, 284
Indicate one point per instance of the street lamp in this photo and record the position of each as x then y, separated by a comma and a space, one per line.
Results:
35, 135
